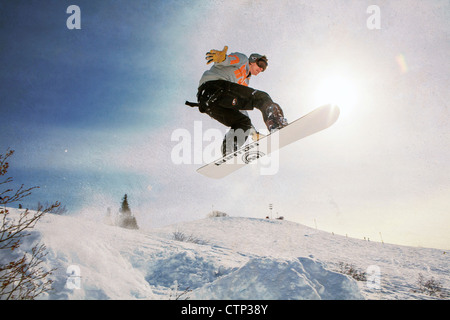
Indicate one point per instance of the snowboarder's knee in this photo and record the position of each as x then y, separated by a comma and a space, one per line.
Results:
261, 99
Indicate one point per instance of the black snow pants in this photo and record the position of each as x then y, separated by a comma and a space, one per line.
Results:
227, 103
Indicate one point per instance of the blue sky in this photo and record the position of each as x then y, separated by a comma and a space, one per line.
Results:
90, 112
56, 75
69, 95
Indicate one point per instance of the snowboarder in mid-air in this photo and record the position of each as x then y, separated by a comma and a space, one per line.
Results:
225, 96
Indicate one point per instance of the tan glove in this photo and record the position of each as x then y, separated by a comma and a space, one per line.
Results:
255, 134
216, 55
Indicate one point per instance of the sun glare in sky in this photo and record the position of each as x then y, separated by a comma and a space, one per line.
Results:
337, 90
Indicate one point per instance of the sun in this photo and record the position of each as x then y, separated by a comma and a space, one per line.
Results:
338, 90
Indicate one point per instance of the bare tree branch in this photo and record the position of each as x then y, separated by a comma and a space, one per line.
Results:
23, 277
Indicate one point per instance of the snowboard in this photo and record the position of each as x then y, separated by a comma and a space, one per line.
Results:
315, 121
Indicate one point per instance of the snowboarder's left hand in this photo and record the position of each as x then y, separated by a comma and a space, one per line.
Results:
216, 55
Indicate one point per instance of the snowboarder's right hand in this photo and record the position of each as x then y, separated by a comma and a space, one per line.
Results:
216, 55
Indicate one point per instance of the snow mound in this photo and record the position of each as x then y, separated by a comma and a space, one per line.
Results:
274, 279
188, 269
231, 258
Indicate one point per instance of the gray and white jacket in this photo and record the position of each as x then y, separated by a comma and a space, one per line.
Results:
235, 68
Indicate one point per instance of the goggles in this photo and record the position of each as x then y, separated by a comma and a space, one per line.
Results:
260, 60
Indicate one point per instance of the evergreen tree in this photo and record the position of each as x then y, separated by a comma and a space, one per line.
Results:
126, 219
125, 208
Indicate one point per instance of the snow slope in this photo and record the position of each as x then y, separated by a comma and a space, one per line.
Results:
234, 258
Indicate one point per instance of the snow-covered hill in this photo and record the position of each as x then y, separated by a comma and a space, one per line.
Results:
228, 258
